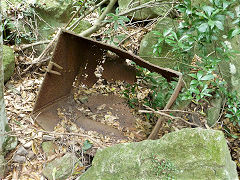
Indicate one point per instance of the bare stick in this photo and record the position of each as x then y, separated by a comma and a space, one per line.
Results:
25, 46
47, 48
75, 14
169, 116
150, 4
74, 25
97, 25
75, 134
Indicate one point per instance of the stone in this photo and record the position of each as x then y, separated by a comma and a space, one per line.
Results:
31, 155
21, 151
191, 153
2, 166
63, 167
8, 62
48, 148
82, 26
47, 138
19, 159
10, 143
146, 46
213, 112
28, 144
146, 13
51, 15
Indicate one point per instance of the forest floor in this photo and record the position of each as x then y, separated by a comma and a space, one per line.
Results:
21, 94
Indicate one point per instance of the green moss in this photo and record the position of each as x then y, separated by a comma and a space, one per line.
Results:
8, 62
195, 153
146, 46
145, 13
82, 26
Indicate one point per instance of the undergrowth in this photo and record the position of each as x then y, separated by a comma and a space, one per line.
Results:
202, 33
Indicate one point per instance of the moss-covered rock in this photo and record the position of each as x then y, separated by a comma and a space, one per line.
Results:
145, 13
146, 46
213, 112
61, 168
50, 15
82, 26
8, 62
185, 154
48, 148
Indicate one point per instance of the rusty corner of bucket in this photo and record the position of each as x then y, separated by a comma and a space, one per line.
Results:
71, 53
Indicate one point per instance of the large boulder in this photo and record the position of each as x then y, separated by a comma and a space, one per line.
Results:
185, 154
50, 15
8, 62
145, 13
150, 39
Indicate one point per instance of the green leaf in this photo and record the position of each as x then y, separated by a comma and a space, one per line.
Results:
193, 75
225, 4
199, 75
203, 27
167, 32
86, 145
211, 23
229, 115
219, 25
208, 10
201, 15
234, 32
207, 77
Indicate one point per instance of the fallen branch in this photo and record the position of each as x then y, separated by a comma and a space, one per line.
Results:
74, 25
46, 50
25, 46
75, 13
16, 134
166, 115
74, 134
97, 25
150, 4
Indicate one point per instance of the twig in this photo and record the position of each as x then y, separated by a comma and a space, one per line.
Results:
169, 116
166, 115
42, 55
74, 134
75, 14
74, 25
97, 25
25, 46
150, 4
14, 133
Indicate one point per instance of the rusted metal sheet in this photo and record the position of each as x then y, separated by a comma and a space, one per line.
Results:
76, 56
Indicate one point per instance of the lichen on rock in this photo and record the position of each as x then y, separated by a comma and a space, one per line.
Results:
195, 154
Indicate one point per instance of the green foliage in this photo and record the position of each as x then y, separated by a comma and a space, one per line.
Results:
160, 89
233, 106
116, 19
86, 145
20, 27
116, 22
199, 87
201, 32
163, 168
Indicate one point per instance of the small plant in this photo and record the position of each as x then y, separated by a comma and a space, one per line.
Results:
116, 19
199, 87
151, 90
86, 145
117, 22
163, 168
233, 107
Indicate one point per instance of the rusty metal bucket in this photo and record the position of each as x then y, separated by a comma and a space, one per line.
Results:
76, 56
